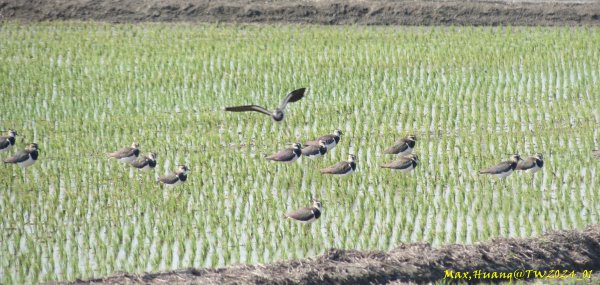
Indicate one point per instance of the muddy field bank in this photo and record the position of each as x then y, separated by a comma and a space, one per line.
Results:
379, 12
420, 263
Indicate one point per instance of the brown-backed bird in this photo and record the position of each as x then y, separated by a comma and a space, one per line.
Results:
342, 168
277, 114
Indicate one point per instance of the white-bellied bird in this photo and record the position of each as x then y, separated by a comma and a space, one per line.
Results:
8, 141
126, 154
307, 215
179, 176
330, 140
404, 164
26, 157
342, 168
276, 114
402, 147
288, 154
503, 169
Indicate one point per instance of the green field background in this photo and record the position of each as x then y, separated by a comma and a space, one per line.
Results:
473, 96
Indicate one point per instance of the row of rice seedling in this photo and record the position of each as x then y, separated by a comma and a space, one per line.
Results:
471, 95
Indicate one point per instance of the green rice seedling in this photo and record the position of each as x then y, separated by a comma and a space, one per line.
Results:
464, 92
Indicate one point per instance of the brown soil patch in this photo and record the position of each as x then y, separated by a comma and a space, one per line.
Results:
418, 263
377, 12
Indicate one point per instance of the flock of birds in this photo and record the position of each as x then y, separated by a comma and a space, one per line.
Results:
130, 155
312, 149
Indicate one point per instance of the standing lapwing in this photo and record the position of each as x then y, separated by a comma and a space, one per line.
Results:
402, 147
145, 162
596, 153
330, 140
126, 154
313, 151
172, 179
6, 142
26, 157
532, 164
342, 168
404, 164
503, 169
277, 114
288, 154
307, 215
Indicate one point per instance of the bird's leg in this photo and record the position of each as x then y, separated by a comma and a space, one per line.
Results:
503, 181
531, 181
306, 229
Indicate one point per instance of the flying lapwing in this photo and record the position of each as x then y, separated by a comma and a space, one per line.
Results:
177, 177
6, 142
531, 164
404, 164
596, 153
288, 154
307, 215
342, 168
277, 114
313, 151
330, 140
126, 154
503, 169
402, 147
145, 162
26, 157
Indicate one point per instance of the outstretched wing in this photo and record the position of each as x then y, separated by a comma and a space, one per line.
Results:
303, 214
249, 108
20, 156
399, 164
338, 168
292, 97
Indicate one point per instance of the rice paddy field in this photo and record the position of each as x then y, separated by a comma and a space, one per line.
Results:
472, 96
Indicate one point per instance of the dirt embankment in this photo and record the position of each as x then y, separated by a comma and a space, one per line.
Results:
377, 12
419, 263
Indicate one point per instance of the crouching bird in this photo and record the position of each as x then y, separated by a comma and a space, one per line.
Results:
288, 154
179, 176
503, 169
306, 215
7, 142
26, 157
342, 168
126, 154
404, 164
